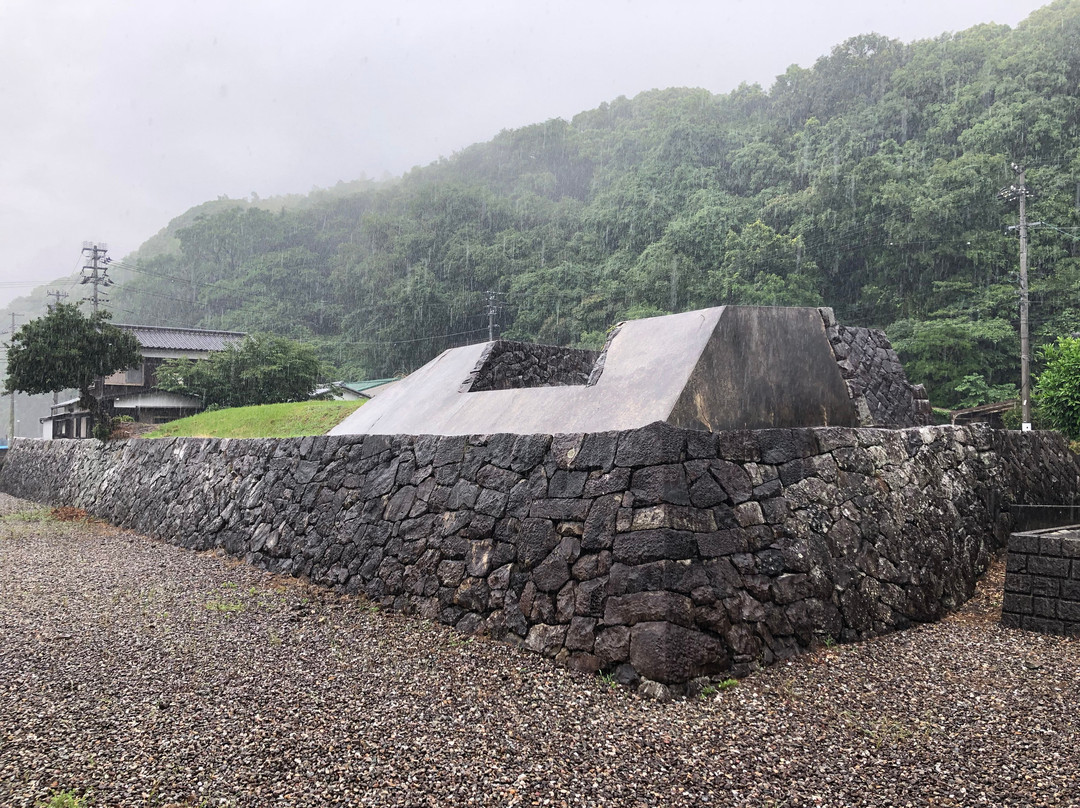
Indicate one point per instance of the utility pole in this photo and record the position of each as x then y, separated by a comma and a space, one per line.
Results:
99, 276
492, 310
11, 422
57, 295
97, 266
1013, 193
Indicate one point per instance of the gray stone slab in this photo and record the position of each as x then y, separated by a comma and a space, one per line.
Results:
720, 368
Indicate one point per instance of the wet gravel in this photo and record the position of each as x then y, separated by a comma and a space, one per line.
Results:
133, 673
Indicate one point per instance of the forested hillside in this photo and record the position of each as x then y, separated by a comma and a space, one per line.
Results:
867, 182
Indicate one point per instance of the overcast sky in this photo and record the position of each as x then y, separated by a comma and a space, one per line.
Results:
121, 114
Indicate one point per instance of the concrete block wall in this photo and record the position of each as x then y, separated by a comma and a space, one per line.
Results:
1042, 581
677, 552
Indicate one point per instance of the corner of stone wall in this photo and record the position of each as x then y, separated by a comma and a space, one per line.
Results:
875, 378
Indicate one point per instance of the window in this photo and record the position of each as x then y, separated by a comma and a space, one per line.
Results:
132, 377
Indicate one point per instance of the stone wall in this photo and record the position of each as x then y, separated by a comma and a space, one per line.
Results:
875, 378
1042, 581
508, 365
679, 553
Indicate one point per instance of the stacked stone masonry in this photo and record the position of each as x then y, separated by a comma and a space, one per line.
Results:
510, 365
875, 378
681, 553
1042, 581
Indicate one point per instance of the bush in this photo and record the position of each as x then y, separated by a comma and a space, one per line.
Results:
1057, 390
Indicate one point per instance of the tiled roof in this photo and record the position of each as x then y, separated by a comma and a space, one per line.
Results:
182, 339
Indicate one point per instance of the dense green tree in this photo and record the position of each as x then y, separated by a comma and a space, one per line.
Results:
261, 369
67, 349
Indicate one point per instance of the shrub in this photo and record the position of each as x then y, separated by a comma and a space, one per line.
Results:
1057, 390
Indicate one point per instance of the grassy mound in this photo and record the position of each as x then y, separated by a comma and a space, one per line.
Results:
266, 421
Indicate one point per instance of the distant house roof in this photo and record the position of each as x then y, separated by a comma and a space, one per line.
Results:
182, 339
351, 391
360, 387
985, 413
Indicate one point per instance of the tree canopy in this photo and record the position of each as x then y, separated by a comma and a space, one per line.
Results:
866, 182
66, 349
261, 369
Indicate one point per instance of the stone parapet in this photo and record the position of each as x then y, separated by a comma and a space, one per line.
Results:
1042, 581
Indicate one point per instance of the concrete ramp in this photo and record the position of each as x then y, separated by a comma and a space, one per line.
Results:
714, 369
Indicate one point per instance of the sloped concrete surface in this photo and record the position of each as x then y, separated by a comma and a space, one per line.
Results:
721, 368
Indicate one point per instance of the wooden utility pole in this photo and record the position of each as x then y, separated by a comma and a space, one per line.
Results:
1025, 340
1021, 193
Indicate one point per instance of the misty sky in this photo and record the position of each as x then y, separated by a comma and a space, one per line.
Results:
121, 114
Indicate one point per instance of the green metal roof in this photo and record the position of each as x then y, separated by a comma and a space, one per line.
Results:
359, 387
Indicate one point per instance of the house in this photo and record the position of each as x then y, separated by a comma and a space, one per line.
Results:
133, 391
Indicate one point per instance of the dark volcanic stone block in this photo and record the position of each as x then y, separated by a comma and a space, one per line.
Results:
668, 653
1069, 610
536, 540
738, 445
1043, 625
1053, 567
1016, 582
597, 451
640, 546
639, 607
613, 644
565, 483
733, 479
654, 484
652, 445
721, 543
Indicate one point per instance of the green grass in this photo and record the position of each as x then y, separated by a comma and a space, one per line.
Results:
224, 606
64, 799
291, 420
32, 514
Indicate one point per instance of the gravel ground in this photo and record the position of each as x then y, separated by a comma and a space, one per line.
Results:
133, 673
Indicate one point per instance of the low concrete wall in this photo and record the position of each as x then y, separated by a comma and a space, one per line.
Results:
1042, 581
681, 553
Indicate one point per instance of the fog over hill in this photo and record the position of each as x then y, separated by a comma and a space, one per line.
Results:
123, 115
